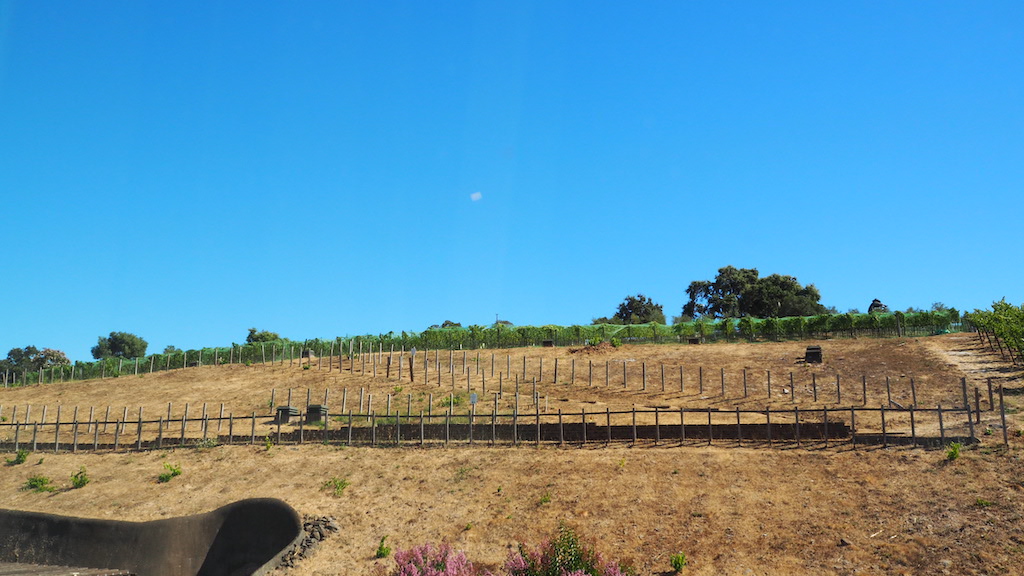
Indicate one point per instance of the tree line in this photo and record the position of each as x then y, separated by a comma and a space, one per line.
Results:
737, 303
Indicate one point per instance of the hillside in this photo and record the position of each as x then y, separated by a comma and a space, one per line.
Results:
746, 509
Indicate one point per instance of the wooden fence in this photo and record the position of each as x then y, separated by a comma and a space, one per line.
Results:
885, 426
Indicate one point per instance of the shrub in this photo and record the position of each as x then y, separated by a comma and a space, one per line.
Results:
172, 470
678, 561
19, 458
39, 483
564, 555
79, 479
452, 401
383, 550
430, 560
953, 451
615, 342
336, 485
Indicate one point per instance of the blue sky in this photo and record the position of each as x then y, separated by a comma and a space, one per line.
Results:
187, 170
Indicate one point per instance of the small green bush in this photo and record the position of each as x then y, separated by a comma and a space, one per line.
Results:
39, 483
19, 458
171, 470
678, 561
383, 550
616, 342
79, 479
953, 451
452, 401
206, 443
336, 485
563, 555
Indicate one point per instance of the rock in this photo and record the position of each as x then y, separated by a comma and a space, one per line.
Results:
845, 542
315, 528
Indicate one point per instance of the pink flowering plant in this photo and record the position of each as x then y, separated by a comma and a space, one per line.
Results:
430, 560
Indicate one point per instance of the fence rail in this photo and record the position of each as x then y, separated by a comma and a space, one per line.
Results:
923, 427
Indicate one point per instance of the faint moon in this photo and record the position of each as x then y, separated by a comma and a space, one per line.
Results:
475, 196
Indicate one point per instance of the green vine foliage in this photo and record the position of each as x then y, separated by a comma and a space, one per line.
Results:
1003, 322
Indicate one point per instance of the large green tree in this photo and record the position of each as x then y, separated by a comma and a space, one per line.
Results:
31, 359
738, 292
637, 309
119, 345
256, 336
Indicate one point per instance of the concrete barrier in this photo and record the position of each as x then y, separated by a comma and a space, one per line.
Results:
246, 538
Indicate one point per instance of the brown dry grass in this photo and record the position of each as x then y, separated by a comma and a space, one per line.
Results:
748, 510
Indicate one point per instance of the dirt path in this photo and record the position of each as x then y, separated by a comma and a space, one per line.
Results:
974, 358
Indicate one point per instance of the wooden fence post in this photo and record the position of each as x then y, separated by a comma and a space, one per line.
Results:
657, 427
885, 437
913, 427
739, 429
710, 430
1002, 418
634, 424
977, 405
796, 421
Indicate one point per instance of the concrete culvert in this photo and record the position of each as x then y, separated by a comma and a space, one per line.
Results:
246, 538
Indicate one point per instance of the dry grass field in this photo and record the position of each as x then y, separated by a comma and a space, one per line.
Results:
746, 509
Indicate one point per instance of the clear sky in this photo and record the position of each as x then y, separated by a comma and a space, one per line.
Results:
187, 170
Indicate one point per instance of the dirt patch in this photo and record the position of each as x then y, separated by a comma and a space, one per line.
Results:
592, 349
